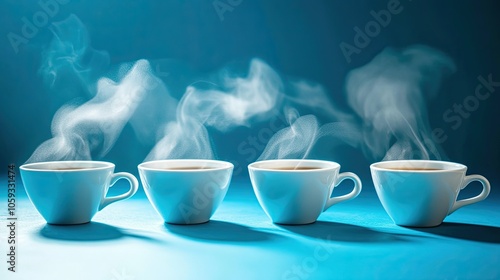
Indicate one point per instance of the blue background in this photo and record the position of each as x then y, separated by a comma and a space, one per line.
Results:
297, 38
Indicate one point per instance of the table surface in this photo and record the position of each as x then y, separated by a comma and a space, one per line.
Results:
351, 240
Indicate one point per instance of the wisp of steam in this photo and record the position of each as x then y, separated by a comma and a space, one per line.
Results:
239, 101
298, 140
243, 101
93, 127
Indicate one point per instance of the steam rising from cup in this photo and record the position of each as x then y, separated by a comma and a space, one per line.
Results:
82, 130
389, 96
298, 140
238, 102
243, 101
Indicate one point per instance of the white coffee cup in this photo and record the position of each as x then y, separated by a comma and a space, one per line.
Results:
72, 192
185, 191
297, 191
421, 193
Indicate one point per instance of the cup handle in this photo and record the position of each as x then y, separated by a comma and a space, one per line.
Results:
356, 190
481, 196
134, 185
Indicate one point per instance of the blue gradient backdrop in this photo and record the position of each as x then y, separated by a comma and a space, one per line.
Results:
297, 38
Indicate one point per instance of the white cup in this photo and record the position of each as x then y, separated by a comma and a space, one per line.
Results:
298, 191
185, 191
421, 193
72, 192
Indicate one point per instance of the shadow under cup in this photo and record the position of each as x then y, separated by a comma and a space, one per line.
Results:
185, 191
72, 192
421, 193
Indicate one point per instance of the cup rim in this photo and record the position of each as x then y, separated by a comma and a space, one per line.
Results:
450, 166
33, 166
216, 165
325, 165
